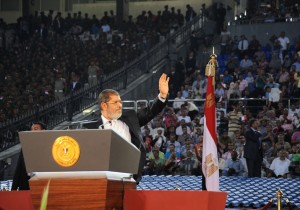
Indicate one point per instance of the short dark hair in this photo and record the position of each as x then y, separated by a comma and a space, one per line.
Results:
251, 122
43, 125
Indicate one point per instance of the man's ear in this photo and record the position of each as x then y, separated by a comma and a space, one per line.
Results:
103, 106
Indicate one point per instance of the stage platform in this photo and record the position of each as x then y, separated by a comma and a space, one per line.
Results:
242, 191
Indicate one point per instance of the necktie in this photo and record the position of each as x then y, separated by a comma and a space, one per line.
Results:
242, 46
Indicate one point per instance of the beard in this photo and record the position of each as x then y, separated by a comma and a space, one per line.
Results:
115, 115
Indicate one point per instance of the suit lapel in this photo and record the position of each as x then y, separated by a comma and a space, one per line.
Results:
100, 122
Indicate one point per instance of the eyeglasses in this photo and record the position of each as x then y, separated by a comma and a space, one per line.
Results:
114, 102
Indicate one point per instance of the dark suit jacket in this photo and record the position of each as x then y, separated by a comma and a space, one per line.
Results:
21, 178
44, 33
135, 120
76, 87
253, 149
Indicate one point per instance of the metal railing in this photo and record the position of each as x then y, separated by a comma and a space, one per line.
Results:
57, 112
263, 20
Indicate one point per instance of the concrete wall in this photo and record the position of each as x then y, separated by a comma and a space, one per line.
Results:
10, 16
10, 10
265, 31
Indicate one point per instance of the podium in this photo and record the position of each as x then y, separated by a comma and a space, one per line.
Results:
97, 180
81, 192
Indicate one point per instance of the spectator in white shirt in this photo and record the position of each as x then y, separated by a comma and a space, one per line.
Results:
285, 43
293, 110
105, 28
179, 129
273, 95
246, 63
243, 46
219, 91
185, 117
178, 101
280, 166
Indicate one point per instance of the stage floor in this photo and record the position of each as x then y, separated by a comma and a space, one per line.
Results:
243, 193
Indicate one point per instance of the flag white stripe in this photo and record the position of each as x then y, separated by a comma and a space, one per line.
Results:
209, 146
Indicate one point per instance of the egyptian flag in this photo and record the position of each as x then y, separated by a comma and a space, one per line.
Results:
210, 165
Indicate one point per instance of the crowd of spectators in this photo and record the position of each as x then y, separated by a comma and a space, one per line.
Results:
286, 11
247, 69
43, 56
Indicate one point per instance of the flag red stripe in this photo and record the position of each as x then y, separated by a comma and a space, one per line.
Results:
210, 109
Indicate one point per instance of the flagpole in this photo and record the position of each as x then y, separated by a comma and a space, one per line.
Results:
210, 165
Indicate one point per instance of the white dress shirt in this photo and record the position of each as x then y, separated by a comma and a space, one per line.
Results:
117, 126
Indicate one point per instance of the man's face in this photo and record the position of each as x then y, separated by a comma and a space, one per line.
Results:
280, 137
172, 148
155, 153
293, 107
184, 112
112, 109
282, 155
36, 127
230, 146
189, 154
187, 141
234, 155
182, 122
172, 138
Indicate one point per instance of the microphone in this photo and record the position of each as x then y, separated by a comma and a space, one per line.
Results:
103, 124
80, 124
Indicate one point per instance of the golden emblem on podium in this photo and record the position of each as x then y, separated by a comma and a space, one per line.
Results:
65, 151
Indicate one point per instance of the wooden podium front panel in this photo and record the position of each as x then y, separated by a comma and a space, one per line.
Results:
174, 200
15, 200
81, 193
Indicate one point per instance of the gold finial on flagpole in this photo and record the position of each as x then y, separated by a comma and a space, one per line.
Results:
211, 66
279, 194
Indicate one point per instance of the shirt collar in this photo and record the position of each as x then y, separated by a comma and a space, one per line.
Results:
104, 120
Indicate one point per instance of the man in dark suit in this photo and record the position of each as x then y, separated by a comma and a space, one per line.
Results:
253, 150
128, 123
194, 45
20, 180
75, 84
43, 31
